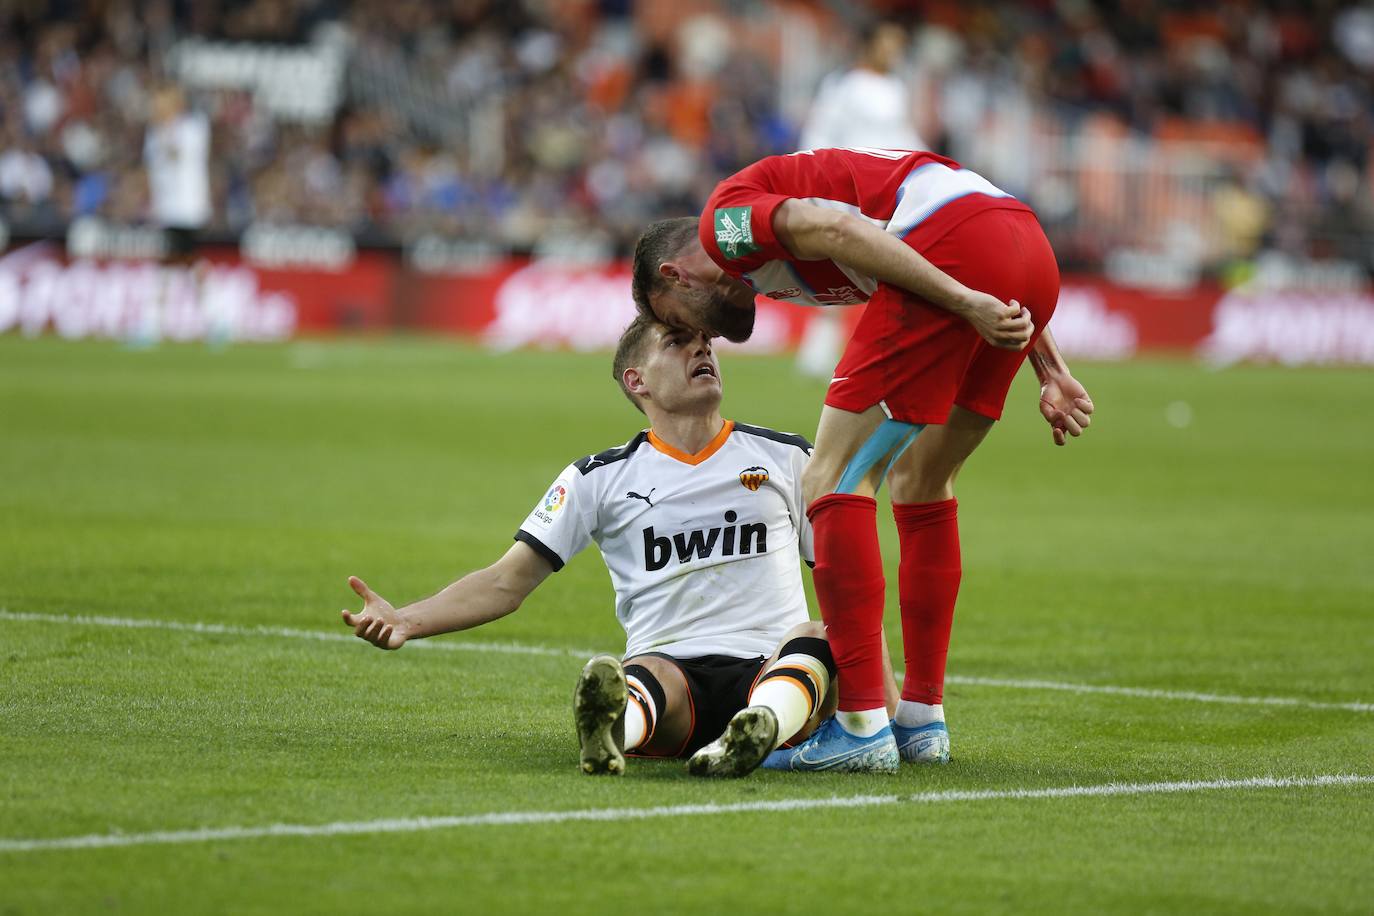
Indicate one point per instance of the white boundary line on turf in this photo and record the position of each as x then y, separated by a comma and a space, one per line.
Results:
1157, 694
524, 649
516, 818
224, 629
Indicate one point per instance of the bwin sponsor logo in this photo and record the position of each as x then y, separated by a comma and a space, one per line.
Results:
700, 543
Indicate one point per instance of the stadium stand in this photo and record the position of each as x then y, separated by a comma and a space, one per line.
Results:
1156, 139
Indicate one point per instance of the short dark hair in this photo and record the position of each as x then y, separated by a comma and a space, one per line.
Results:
871, 28
662, 240
629, 351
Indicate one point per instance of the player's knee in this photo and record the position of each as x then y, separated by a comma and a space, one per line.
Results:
921, 482
662, 671
812, 629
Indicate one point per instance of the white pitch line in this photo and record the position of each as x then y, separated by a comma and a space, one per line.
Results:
1151, 693
1157, 694
224, 629
518, 818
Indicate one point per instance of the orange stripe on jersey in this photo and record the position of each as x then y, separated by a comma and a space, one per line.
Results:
711, 447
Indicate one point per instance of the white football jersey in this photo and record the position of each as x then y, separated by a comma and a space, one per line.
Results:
703, 549
177, 155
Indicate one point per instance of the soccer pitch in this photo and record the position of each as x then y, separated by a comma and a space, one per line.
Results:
1162, 674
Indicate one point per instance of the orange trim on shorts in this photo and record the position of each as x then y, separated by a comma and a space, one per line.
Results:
710, 449
692, 708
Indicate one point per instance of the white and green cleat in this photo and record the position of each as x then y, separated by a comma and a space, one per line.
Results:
748, 739
598, 708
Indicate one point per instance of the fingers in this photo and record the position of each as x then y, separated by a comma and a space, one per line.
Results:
1081, 417
360, 587
1063, 424
1013, 328
373, 631
359, 623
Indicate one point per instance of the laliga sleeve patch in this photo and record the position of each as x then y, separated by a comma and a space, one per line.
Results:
734, 232
547, 511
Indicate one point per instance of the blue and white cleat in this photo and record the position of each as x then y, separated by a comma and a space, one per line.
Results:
927, 743
832, 748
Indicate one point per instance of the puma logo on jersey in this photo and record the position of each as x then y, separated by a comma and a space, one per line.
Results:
701, 543
633, 495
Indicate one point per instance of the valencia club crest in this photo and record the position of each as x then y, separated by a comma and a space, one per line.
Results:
753, 478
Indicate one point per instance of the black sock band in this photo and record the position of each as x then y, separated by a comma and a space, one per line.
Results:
656, 695
813, 646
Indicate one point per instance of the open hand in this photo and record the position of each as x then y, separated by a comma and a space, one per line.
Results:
378, 622
1007, 326
1065, 405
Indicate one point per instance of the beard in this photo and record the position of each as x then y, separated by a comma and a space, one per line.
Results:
717, 316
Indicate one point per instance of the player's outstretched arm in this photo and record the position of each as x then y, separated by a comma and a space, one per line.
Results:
477, 598
1064, 402
813, 233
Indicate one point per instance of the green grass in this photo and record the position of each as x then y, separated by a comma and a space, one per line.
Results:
1230, 556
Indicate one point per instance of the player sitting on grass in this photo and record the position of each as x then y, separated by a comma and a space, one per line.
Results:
700, 521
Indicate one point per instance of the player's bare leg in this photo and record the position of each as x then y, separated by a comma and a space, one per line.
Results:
926, 471
921, 484
839, 437
658, 718
792, 696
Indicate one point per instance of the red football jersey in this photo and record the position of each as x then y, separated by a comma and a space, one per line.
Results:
917, 196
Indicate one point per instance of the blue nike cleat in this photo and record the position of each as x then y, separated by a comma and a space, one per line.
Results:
832, 748
927, 743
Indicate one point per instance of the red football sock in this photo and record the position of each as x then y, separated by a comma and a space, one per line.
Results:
928, 582
850, 588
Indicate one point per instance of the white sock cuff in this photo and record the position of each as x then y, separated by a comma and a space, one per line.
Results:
911, 714
863, 723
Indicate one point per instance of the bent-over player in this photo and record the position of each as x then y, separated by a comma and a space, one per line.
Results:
701, 524
956, 274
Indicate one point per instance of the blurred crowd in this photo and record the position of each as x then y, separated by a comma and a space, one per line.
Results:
575, 121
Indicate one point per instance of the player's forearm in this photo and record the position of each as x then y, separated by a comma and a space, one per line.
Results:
875, 253
1046, 359
477, 598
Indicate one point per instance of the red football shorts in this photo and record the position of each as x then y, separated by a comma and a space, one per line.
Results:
919, 359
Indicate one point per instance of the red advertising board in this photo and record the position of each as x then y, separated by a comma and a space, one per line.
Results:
518, 303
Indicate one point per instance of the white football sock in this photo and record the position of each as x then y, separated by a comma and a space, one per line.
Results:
634, 725
863, 723
914, 715
640, 714
783, 689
